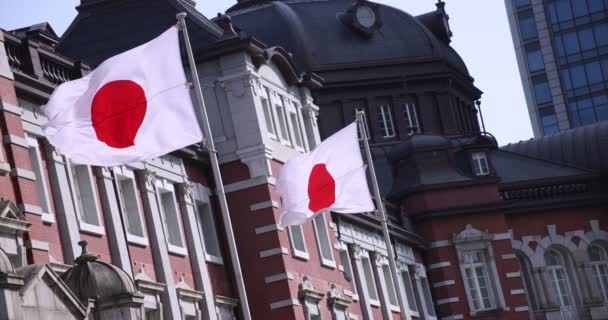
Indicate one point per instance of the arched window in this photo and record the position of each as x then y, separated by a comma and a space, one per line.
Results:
527, 276
557, 272
599, 261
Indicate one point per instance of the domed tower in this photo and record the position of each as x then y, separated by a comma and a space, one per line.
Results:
400, 69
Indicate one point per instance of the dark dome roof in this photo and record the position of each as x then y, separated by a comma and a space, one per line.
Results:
98, 280
313, 32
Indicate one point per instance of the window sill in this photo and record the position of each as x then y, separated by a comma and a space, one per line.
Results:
179, 251
328, 263
351, 294
374, 303
91, 229
487, 312
137, 240
395, 309
48, 218
5, 168
214, 259
414, 313
301, 255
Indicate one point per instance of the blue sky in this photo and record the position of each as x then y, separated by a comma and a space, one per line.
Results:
481, 37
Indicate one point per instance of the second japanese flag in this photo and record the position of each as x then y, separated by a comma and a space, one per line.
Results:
331, 177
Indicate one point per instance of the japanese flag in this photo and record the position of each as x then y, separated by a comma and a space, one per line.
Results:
134, 106
331, 177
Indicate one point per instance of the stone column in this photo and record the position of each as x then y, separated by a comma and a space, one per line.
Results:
158, 244
379, 261
67, 220
356, 252
113, 222
197, 252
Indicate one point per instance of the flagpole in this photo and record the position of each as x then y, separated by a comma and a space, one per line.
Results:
380, 205
181, 18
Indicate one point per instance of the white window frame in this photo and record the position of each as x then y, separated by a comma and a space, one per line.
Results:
411, 117
553, 271
296, 129
121, 174
384, 271
295, 251
597, 266
164, 186
280, 114
83, 225
346, 266
267, 106
473, 267
367, 133
405, 274
424, 292
370, 279
480, 159
385, 117
320, 222
200, 195
41, 180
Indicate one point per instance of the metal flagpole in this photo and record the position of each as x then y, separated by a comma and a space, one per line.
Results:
380, 206
181, 17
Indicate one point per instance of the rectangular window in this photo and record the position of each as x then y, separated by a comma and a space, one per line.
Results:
41, 179
596, 5
480, 164
585, 37
298, 245
601, 34
548, 120
359, 132
282, 122
477, 281
527, 26
535, 59
542, 92
168, 204
564, 11
521, 3
270, 126
297, 132
409, 290
390, 286
323, 241
369, 279
86, 198
129, 200
411, 117
209, 232
348, 269
385, 120
428, 299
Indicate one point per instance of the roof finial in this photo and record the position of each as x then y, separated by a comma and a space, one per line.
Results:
85, 256
225, 23
440, 5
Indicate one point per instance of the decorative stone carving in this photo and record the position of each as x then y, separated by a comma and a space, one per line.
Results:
336, 298
308, 290
380, 260
187, 189
150, 179
470, 234
357, 251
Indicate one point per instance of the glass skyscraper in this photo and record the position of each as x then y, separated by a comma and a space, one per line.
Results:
562, 51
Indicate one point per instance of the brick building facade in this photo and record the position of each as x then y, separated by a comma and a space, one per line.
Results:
480, 232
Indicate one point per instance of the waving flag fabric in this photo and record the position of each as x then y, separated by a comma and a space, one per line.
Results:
331, 177
134, 106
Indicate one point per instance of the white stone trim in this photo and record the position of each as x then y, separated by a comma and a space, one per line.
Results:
444, 283
508, 256
453, 317
502, 236
37, 245
268, 228
264, 205
13, 139
30, 208
23, 173
9, 107
438, 265
440, 244
284, 303
518, 291
273, 252
250, 183
278, 277
522, 309
448, 300
513, 274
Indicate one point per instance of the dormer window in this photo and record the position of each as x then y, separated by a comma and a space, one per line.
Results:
411, 118
385, 120
480, 164
363, 16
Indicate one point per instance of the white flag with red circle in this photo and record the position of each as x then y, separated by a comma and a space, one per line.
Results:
329, 178
134, 106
